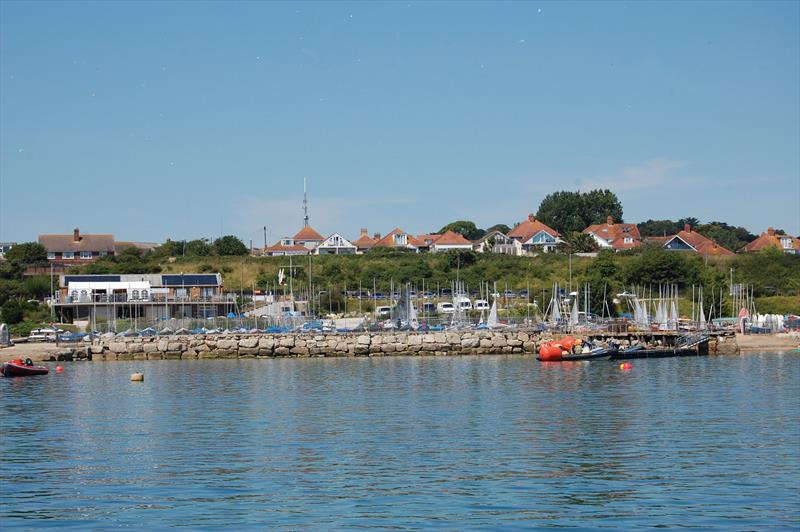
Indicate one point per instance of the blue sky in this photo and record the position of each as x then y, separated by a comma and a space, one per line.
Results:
152, 120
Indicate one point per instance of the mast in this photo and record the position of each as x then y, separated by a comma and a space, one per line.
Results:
305, 203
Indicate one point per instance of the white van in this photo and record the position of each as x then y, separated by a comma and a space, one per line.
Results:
383, 312
481, 304
464, 304
445, 308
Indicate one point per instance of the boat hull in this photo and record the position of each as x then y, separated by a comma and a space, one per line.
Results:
604, 354
10, 369
655, 353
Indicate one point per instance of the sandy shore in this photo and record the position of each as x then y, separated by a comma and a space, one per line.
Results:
768, 342
37, 352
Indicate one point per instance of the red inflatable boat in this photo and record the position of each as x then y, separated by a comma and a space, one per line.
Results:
18, 368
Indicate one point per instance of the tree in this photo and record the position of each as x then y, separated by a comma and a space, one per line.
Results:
198, 248
503, 228
11, 311
567, 211
229, 245
728, 236
27, 253
658, 228
580, 243
37, 287
465, 228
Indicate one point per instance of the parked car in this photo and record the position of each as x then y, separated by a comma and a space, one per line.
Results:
523, 293
378, 295
383, 311
427, 295
445, 308
429, 307
464, 304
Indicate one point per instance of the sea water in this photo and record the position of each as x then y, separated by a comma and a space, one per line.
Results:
404, 443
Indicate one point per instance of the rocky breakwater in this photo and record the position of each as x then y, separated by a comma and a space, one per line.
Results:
315, 345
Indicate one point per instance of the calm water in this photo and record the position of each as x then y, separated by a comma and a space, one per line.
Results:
452, 443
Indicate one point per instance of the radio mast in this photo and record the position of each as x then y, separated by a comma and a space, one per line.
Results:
305, 204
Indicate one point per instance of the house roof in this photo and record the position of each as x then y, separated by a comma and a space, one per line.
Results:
345, 243
364, 241
615, 234
307, 234
531, 227
279, 248
491, 234
426, 239
770, 239
451, 238
77, 242
700, 243
388, 240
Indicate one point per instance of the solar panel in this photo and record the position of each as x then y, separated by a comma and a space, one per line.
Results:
190, 279
91, 279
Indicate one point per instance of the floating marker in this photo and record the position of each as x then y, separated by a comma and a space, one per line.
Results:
137, 377
59, 369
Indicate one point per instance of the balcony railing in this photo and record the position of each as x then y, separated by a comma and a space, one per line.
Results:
106, 299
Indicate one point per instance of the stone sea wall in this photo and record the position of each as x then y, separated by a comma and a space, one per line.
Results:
314, 345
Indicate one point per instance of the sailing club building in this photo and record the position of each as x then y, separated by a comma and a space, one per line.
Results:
148, 296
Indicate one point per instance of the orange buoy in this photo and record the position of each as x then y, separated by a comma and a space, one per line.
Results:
567, 343
59, 369
550, 352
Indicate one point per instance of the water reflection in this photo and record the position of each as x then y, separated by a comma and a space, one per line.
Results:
456, 442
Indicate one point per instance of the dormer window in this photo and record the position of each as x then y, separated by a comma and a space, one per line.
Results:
628, 240
287, 242
400, 239
626, 229
786, 243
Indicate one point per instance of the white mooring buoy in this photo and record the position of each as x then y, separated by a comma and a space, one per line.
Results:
137, 377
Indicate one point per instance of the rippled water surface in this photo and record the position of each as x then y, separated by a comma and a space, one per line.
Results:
452, 443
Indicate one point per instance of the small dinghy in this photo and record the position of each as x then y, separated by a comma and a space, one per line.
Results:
600, 353
18, 368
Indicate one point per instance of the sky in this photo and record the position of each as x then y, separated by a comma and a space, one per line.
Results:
151, 120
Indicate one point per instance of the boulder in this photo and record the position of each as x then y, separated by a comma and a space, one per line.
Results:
248, 342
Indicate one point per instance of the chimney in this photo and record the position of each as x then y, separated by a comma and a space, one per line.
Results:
687, 228
771, 231
531, 218
610, 220
364, 232
376, 236
76, 235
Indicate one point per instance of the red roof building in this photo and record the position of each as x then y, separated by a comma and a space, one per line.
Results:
535, 235
364, 242
308, 237
77, 248
786, 243
397, 238
285, 247
615, 236
688, 240
449, 241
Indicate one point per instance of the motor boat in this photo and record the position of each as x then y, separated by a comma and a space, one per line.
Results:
20, 368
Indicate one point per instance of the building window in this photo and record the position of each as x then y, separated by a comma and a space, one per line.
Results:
628, 240
68, 255
86, 255
787, 243
51, 255
103, 253
400, 240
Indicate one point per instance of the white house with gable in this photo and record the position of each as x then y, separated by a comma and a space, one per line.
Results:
335, 244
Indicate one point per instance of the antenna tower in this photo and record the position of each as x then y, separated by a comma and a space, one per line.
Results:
305, 204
